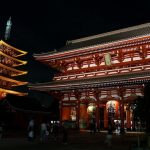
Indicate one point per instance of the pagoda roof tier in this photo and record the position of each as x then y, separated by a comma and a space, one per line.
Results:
16, 62
14, 82
17, 52
12, 92
101, 41
137, 78
15, 72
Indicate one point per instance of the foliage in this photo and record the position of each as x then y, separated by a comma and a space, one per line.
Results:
140, 111
147, 105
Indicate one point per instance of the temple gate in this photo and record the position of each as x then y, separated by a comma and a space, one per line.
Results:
100, 76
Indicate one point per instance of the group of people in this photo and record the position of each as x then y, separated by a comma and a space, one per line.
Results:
48, 130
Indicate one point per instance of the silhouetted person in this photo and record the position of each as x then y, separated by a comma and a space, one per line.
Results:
1, 130
65, 134
56, 131
93, 127
43, 132
31, 130
109, 135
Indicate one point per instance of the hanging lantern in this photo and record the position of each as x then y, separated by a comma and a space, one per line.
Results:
112, 106
91, 108
3, 95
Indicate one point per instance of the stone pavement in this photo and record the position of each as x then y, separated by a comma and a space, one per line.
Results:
77, 141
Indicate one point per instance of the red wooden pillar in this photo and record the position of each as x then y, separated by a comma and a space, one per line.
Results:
60, 96
122, 113
122, 116
77, 95
78, 113
60, 111
105, 118
96, 94
128, 114
83, 120
97, 115
66, 113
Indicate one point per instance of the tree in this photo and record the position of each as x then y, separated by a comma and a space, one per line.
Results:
139, 111
146, 107
142, 110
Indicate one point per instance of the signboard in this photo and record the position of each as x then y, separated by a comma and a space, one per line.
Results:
107, 58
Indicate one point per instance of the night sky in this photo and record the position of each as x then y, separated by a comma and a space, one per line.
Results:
41, 26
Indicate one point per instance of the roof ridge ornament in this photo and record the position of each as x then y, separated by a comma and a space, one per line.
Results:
68, 42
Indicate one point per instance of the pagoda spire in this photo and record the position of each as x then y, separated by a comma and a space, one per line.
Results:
8, 28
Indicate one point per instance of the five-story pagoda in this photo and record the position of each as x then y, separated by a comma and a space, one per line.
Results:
8, 63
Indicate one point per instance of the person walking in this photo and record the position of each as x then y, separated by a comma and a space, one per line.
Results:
109, 135
31, 130
43, 134
64, 134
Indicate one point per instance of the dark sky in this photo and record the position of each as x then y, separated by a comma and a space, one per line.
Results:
41, 26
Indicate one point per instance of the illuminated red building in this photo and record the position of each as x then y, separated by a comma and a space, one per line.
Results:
99, 76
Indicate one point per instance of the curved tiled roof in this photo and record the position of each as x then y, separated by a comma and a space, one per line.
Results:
20, 52
103, 39
113, 80
13, 92
117, 35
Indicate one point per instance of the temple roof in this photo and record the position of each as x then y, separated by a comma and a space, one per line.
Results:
108, 37
12, 92
105, 38
14, 82
15, 72
111, 80
20, 52
17, 62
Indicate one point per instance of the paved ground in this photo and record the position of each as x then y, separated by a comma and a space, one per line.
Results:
77, 141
